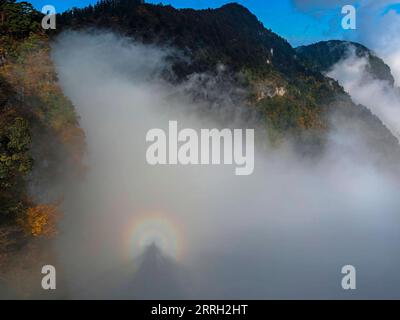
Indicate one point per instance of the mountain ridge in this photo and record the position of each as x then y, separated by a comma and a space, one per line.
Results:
289, 96
323, 55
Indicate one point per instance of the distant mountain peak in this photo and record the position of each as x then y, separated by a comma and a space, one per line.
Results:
323, 55
234, 6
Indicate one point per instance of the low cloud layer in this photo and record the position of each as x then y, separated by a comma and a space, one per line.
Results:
283, 232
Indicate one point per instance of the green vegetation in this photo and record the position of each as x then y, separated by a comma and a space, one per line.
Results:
39, 132
18, 20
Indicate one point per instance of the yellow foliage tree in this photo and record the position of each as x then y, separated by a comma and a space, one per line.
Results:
42, 220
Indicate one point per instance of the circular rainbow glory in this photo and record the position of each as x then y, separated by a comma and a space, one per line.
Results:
159, 229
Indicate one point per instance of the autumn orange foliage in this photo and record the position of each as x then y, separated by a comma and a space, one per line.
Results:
42, 220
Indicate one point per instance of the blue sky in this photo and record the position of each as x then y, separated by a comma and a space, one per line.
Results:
299, 21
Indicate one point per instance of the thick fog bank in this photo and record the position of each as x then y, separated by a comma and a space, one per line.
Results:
284, 232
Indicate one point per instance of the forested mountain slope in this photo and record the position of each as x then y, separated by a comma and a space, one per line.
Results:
291, 96
41, 143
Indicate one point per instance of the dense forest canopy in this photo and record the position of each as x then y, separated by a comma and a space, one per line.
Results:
40, 138
18, 19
